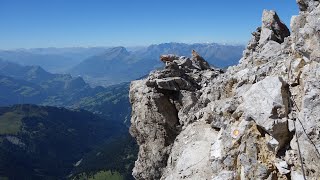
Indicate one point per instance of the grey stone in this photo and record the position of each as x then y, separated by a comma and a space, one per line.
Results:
224, 175
270, 49
174, 84
190, 153
192, 121
291, 157
282, 167
309, 5
266, 102
272, 28
199, 61
296, 176
291, 125
153, 124
273, 144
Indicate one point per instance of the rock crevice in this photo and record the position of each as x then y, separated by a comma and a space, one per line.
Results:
193, 121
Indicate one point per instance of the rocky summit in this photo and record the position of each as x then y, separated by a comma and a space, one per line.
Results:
257, 120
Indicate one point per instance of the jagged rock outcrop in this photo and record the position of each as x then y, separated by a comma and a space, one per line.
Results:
272, 28
257, 120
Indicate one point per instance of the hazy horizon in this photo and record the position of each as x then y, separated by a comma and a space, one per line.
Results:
127, 47
38, 24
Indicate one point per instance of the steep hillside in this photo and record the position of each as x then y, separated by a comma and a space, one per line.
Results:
33, 74
257, 120
31, 84
15, 91
41, 142
111, 103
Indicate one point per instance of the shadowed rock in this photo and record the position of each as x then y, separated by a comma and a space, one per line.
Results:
256, 120
272, 28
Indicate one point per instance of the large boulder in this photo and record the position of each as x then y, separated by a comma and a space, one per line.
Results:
266, 102
257, 120
266, 38
190, 153
272, 28
174, 84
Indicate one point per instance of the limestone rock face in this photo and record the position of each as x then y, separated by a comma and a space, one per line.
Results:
154, 127
185, 162
307, 5
272, 28
266, 102
257, 120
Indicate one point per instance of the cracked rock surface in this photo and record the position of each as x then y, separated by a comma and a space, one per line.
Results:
257, 120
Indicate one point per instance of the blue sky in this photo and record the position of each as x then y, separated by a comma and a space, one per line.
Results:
67, 23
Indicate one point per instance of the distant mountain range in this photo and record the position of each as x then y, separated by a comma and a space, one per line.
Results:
55, 60
105, 66
119, 65
33, 137
25, 85
33, 85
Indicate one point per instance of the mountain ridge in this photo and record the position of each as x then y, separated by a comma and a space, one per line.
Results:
42, 142
256, 120
31, 84
123, 67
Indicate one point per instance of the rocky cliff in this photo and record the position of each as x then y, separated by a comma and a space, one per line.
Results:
257, 120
